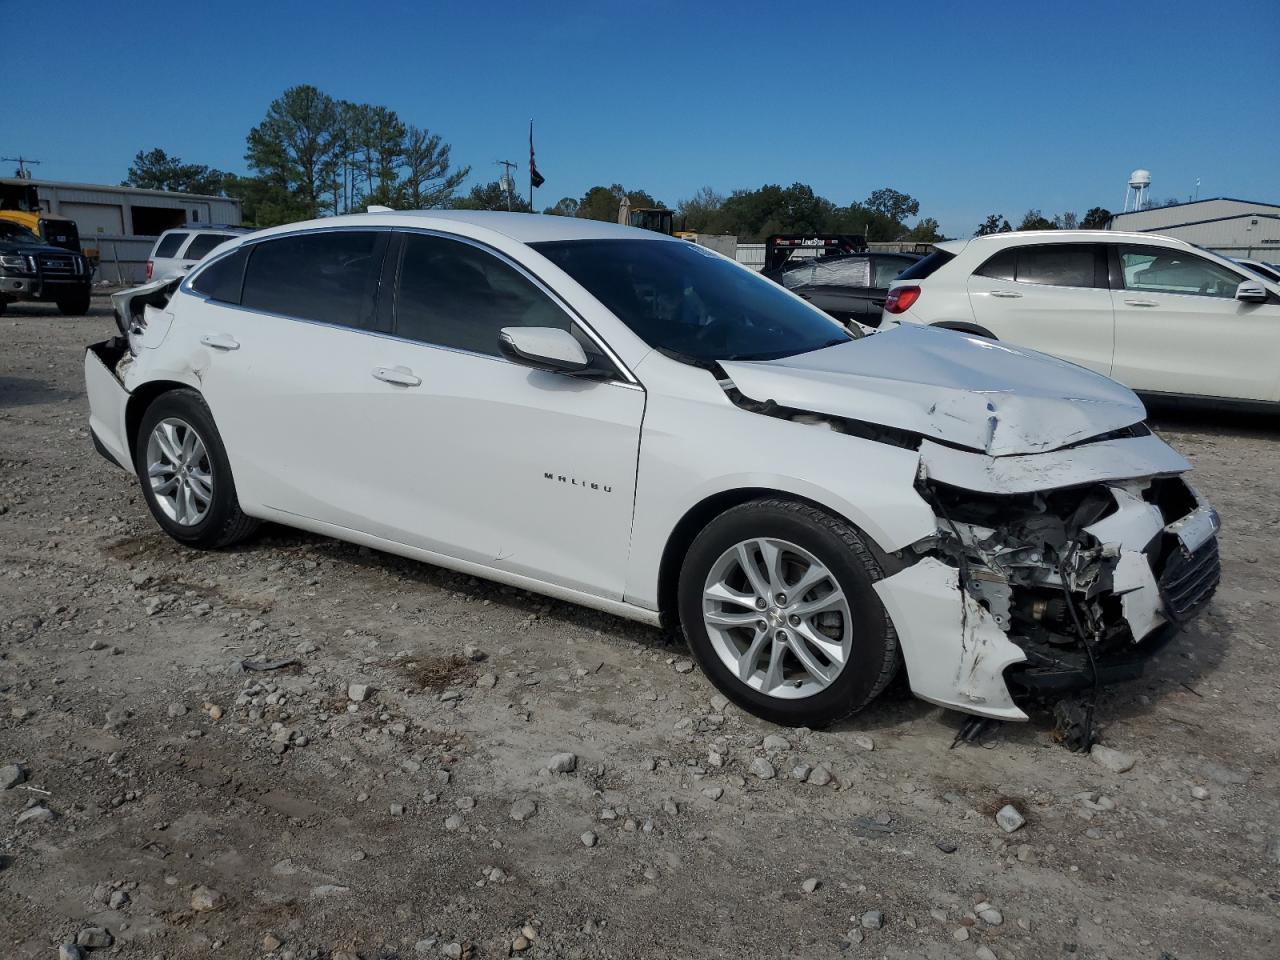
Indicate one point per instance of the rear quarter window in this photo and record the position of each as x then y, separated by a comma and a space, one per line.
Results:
926, 267
169, 245
223, 280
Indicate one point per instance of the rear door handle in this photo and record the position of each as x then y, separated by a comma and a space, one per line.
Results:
1142, 303
220, 341
400, 376
1006, 294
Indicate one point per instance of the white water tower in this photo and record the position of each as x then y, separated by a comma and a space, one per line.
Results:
1139, 189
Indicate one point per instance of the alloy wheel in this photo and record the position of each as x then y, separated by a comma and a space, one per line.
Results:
777, 618
179, 470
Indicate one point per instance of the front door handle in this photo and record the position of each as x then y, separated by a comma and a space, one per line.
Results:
1142, 303
220, 341
400, 376
1006, 294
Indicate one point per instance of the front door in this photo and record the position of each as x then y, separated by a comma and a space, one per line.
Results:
483, 459
1179, 328
1049, 297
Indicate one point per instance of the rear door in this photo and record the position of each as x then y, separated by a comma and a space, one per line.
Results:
1052, 297
1179, 328
285, 357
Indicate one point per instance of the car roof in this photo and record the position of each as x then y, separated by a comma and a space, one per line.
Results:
1062, 236
521, 227
209, 228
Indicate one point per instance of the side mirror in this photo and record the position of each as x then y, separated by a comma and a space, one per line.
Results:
544, 348
1251, 292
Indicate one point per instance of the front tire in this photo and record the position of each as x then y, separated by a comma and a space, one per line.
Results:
185, 475
778, 605
76, 305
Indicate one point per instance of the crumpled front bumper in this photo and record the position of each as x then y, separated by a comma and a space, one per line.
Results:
1162, 570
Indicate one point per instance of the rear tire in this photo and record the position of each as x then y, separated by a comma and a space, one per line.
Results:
825, 651
75, 306
185, 475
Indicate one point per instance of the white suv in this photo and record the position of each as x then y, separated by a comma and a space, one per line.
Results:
176, 251
1158, 314
636, 423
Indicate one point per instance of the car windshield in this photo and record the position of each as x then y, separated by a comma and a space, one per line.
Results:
16, 233
690, 303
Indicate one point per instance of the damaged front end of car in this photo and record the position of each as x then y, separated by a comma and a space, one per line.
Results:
1066, 548
1060, 589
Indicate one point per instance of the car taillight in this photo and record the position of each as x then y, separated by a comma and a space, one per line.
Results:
150, 266
900, 299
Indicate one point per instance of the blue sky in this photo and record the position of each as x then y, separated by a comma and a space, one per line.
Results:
972, 108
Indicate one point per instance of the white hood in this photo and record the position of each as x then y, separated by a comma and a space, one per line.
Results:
960, 389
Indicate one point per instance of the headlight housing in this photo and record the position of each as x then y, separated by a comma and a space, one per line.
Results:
17, 263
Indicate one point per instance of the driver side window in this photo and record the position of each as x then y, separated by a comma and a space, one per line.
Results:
452, 294
1165, 270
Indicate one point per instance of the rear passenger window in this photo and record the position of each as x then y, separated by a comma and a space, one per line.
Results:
1057, 265
203, 243
1053, 265
169, 245
1003, 266
223, 279
452, 294
327, 277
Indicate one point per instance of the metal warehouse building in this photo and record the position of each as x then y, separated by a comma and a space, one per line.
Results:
120, 223
1243, 229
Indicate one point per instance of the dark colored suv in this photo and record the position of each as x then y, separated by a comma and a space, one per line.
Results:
31, 269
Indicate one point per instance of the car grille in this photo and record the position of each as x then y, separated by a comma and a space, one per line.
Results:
54, 265
1188, 581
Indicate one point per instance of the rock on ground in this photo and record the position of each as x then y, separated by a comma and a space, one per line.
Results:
563, 763
1114, 760
1010, 818
204, 899
11, 775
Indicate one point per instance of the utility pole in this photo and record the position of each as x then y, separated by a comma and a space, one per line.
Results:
23, 173
508, 184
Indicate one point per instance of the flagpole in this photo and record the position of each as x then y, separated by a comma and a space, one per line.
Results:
531, 164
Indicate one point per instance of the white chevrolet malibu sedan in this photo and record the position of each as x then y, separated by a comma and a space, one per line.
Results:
637, 424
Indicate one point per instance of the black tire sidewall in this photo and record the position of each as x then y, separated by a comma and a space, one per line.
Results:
187, 405
75, 306
862, 677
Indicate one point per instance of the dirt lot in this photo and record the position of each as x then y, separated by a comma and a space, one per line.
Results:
198, 809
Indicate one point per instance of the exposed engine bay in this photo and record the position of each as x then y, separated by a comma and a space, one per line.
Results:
1078, 577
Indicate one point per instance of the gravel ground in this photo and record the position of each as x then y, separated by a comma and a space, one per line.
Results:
399, 788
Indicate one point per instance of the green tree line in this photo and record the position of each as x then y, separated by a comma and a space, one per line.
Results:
1095, 219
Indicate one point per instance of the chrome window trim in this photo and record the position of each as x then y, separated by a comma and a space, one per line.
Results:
630, 381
